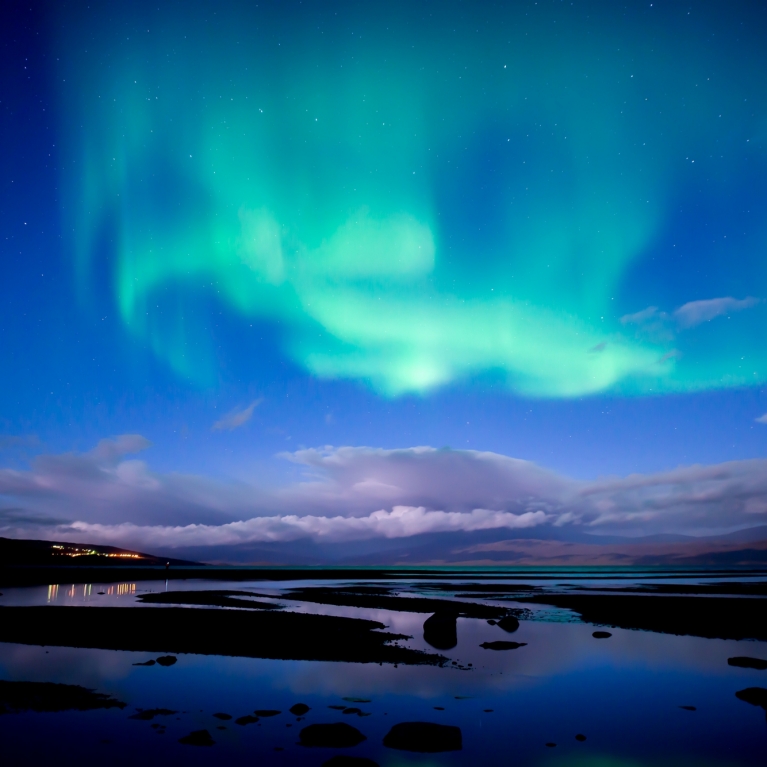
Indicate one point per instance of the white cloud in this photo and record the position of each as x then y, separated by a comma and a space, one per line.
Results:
762, 419
695, 312
352, 493
236, 417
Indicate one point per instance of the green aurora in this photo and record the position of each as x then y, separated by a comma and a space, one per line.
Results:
418, 199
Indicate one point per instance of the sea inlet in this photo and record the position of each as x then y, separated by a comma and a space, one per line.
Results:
403, 666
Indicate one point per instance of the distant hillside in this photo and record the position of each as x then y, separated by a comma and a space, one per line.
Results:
21, 552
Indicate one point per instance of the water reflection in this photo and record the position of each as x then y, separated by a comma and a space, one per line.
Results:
624, 693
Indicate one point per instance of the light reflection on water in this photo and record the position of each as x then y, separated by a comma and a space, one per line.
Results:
623, 693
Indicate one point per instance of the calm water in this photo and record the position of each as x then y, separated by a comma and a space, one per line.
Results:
624, 694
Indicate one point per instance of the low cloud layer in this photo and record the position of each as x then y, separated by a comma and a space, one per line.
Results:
356, 493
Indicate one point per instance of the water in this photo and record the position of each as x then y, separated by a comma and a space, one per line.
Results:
624, 694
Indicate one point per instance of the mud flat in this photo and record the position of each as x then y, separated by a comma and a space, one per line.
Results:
710, 617
48, 697
253, 634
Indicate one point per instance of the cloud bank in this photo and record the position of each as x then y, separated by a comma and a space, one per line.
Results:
357, 493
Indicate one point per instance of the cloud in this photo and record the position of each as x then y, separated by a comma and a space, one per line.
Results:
762, 419
400, 522
236, 418
696, 312
353, 493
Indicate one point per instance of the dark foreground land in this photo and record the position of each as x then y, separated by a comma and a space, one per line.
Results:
256, 634
710, 617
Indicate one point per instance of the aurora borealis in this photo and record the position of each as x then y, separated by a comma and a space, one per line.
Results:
415, 204
380, 223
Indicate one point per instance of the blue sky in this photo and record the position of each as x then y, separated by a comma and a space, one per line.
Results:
535, 231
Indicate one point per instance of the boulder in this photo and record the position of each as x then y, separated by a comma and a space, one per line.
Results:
424, 737
299, 709
601, 635
168, 660
756, 696
502, 645
247, 719
337, 735
197, 738
439, 630
266, 712
509, 624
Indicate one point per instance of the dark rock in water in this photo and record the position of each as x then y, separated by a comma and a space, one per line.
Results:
491, 622
551, 745
197, 738
243, 720
743, 661
756, 696
266, 712
337, 708
580, 738
222, 716
338, 735
439, 708
167, 660
439, 630
424, 737
357, 700
502, 645
342, 760
509, 624
689, 708
146, 663
48, 697
352, 711
299, 709
601, 635
150, 713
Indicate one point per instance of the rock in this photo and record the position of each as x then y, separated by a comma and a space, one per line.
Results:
337, 708
266, 712
146, 663
551, 745
150, 713
168, 660
502, 645
509, 624
299, 709
491, 622
689, 708
197, 738
357, 700
580, 738
424, 737
756, 696
248, 719
439, 630
601, 635
338, 735
743, 661
222, 716
439, 708
342, 760
352, 711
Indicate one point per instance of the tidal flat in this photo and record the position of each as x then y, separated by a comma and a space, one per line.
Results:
414, 667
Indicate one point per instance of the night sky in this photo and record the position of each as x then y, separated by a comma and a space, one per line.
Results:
336, 271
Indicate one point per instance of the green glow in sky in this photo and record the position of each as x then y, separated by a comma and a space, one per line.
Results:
413, 203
